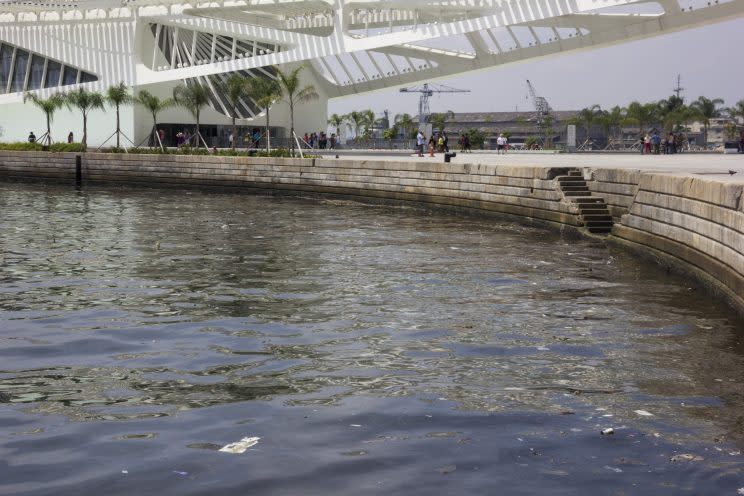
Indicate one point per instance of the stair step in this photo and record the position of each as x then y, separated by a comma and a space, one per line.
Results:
575, 173
596, 217
575, 188
589, 199
597, 225
562, 179
572, 183
575, 193
599, 230
593, 211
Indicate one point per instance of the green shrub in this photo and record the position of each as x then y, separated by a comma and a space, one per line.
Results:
66, 147
22, 146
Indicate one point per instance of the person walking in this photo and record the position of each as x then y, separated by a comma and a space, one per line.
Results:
420, 140
656, 141
446, 142
466, 143
501, 142
432, 146
647, 144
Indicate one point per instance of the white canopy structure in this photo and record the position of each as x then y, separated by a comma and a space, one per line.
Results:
349, 46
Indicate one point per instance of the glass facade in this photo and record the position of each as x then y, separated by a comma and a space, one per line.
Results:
21, 70
69, 76
6, 61
36, 76
54, 70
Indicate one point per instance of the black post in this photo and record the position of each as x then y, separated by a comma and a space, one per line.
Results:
78, 170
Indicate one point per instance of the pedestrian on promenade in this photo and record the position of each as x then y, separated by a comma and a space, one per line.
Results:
70, 138
656, 141
446, 142
741, 143
501, 142
467, 144
31, 137
440, 144
670, 144
432, 146
647, 144
420, 140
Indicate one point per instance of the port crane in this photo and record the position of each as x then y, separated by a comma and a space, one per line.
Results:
427, 90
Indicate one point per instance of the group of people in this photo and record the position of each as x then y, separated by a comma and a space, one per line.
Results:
32, 137
320, 140
655, 144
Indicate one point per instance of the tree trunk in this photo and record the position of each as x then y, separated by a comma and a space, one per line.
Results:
85, 131
234, 133
268, 134
117, 126
49, 130
291, 127
198, 133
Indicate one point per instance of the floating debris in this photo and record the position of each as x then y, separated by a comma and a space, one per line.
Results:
182, 474
613, 469
240, 446
447, 469
125, 472
643, 413
608, 432
686, 457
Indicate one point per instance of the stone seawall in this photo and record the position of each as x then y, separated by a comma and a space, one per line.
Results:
692, 224
524, 192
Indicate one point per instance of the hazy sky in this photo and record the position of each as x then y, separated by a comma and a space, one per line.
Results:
710, 60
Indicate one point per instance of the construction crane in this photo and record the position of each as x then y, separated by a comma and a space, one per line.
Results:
541, 117
427, 91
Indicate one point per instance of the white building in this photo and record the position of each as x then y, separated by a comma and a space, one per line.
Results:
349, 47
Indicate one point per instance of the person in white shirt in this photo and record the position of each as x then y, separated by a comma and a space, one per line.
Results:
420, 141
501, 143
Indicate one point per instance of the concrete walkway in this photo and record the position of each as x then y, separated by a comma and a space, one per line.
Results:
716, 166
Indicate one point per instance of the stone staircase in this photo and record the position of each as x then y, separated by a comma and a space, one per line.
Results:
593, 210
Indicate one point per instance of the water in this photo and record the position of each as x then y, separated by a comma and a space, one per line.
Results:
372, 349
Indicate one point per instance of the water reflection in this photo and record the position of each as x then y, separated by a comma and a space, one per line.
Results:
126, 305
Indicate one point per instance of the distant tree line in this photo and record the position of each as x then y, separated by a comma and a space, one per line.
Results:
264, 92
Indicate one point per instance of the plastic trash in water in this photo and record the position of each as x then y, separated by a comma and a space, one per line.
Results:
643, 413
240, 446
182, 474
608, 432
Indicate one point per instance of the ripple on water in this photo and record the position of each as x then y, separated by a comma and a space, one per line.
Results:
371, 348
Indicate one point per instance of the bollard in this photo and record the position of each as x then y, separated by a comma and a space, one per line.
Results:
448, 157
78, 170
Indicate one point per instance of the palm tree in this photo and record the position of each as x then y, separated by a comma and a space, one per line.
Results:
586, 118
706, 110
355, 119
84, 101
367, 121
265, 92
154, 105
611, 121
49, 106
117, 96
405, 121
737, 111
439, 120
235, 90
192, 97
294, 94
335, 121
642, 114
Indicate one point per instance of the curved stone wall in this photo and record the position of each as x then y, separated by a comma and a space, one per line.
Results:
692, 224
